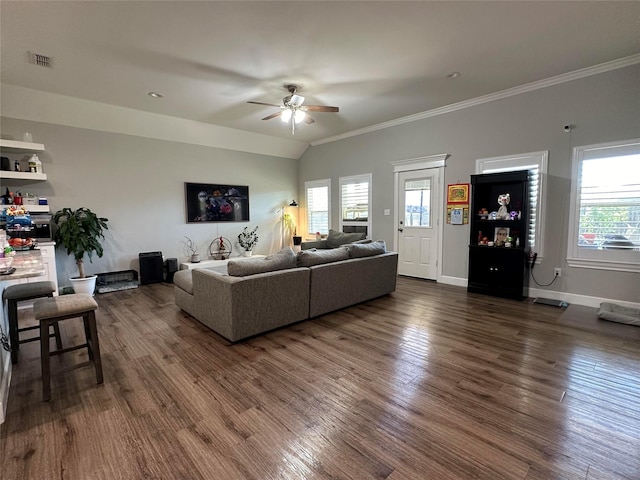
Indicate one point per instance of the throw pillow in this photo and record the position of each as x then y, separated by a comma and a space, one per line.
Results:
282, 260
309, 258
335, 239
359, 250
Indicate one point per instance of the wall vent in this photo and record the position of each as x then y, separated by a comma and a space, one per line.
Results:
40, 60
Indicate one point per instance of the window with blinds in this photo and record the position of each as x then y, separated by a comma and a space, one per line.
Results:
318, 206
610, 202
605, 210
355, 203
536, 163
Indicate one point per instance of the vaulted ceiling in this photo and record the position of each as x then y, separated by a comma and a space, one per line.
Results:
378, 61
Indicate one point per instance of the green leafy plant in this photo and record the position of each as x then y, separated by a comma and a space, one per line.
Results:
248, 239
289, 223
79, 232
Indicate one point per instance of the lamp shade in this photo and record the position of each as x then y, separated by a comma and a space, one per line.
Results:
286, 115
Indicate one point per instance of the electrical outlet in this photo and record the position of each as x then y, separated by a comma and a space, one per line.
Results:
557, 272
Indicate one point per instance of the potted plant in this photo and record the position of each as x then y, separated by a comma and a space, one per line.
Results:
79, 232
290, 226
193, 250
247, 240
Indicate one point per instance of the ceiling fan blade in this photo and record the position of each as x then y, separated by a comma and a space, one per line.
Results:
308, 120
321, 108
273, 115
267, 104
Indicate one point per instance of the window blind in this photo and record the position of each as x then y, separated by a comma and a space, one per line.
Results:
609, 211
355, 201
318, 209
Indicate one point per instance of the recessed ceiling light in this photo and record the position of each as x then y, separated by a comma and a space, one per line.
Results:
155, 94
453, 75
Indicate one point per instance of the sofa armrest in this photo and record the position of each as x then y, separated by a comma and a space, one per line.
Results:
321, 244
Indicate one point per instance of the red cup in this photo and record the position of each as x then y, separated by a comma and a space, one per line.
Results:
17, 200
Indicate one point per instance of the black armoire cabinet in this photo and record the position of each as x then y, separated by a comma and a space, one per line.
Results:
498, 267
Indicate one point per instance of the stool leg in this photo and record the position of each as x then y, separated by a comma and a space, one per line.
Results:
56, 334
87, 335
44, 360
94, 345
12, 306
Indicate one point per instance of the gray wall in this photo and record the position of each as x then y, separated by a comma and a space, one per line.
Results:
603, 108
138, 184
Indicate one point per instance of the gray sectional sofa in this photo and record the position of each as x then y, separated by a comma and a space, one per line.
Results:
252, 296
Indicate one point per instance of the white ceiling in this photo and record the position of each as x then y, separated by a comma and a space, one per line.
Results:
378, 61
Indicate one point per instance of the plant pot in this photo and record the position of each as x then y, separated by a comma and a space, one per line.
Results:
84, 285
247, 253
195, 258
297, 240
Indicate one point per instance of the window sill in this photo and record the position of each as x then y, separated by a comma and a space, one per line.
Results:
604, 265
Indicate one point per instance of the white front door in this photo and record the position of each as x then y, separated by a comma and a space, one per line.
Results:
418, 223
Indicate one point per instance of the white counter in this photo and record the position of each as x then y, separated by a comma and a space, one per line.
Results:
28, 264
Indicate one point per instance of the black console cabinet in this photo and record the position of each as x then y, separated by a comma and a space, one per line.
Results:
498, 269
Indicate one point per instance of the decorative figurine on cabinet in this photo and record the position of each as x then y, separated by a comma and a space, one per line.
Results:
503, 201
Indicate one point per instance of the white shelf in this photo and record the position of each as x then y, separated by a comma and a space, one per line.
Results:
29, 176
36, 208
23, 178
20, 147
212, 263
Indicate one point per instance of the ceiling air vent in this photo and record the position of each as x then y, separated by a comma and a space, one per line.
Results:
40, 60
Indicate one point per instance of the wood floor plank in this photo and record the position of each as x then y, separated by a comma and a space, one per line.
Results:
429, 382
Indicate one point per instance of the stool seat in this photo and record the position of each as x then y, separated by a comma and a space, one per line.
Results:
50, 311
28, 291
19, 293
64, 306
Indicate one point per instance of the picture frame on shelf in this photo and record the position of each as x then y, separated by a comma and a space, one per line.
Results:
500, 235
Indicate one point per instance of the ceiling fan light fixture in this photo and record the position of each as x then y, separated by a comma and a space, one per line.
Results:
299, 116
286, 115
296, 100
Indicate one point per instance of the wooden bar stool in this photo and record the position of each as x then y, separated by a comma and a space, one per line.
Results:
19, 293
49, 311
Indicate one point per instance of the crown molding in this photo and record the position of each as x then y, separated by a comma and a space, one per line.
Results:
529, 87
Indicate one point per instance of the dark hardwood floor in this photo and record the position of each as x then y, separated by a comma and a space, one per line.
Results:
427, 383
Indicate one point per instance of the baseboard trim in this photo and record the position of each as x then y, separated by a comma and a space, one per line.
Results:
584, 300
457, 281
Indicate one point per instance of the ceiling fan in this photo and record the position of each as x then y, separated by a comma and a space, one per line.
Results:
293, 111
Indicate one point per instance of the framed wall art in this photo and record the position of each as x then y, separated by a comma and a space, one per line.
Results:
458, 203
458, 193
210, 202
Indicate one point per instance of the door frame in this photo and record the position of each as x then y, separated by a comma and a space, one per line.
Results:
421, 163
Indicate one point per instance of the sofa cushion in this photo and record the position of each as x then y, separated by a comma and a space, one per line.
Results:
335, 239
359, 250
282, 260
309, 258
